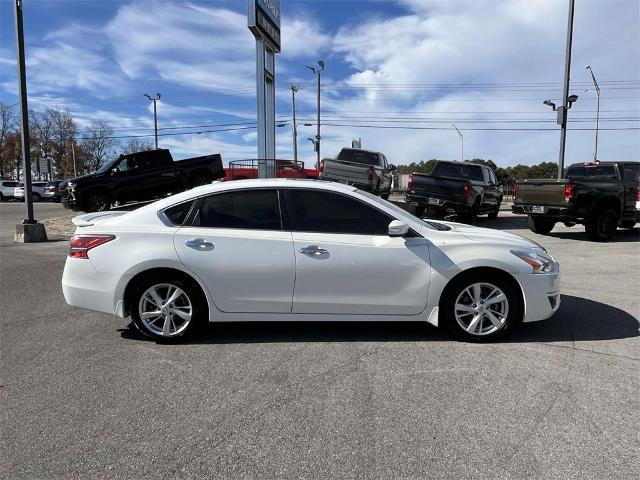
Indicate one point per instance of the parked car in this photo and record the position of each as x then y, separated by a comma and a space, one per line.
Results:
51, 190
7, 189
276, 249
369, 171
246, 169
37, 191
139, 176
602, 196
460, 189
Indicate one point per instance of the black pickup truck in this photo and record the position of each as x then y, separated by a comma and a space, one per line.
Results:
460, 189
602, 196
138, 176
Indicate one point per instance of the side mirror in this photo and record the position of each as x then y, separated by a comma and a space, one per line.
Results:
398, 229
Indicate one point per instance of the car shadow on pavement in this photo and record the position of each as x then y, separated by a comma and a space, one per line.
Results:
621, 235
578, 319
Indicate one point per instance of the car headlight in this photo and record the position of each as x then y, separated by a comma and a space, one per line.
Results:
541, 262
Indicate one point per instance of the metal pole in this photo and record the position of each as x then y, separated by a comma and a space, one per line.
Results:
597, 87
461, 144
24, 112
565, 95
294, 89
155, 115
73, 156
318, 123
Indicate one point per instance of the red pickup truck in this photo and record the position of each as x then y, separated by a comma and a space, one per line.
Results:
244, 169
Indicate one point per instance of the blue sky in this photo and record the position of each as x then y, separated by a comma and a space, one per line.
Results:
398, 75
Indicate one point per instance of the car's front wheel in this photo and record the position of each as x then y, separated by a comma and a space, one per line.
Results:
167, 309
480, 307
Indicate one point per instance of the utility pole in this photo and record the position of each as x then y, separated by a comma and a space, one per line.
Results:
597, 87
317, 142
155, 115
461, 144
563, 110
294, 89
73, 156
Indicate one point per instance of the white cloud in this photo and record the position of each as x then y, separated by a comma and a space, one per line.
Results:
302, 38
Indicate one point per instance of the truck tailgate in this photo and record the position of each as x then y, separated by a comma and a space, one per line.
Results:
345, 172
541, 192
437, 187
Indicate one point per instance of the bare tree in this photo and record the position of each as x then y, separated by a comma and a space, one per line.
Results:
64, 132
41, 126
98, 145
7, 126
134, 145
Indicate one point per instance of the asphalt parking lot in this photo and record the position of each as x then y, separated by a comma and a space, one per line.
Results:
83, 396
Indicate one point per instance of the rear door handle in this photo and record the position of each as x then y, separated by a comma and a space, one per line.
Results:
313, 250
199, 244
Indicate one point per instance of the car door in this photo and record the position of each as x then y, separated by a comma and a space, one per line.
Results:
345, 261
235, 243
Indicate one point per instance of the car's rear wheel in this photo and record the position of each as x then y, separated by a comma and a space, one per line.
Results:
385, 196
494, 214
167, 309
35, 197
540, 225
480, 307
602, 225
97, 202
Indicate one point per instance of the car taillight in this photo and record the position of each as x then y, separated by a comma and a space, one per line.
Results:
569, 194
638, 193
410, 182
321, 166
371, 171
466, 188
79, 245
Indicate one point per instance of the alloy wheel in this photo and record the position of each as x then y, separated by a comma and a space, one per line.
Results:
165, 309
481, 309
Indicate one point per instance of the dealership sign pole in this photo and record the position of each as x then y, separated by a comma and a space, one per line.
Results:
264, 23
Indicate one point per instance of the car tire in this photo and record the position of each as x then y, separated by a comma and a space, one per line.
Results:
97, 201
602, 225
627, 223
471, 216
35, 197
385, 196
199, 179
181, 318
540, 225
464, 314
417, 210
1, 197
494, 214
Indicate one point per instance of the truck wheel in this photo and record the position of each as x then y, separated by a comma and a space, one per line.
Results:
602, 225
200, 179
417, 210
627, 223
494, 214
97, 202
540, 225
35, 197
385, 196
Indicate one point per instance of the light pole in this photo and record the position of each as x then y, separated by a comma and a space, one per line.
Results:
461, 144
317, 142
595, 84
566, 102
155, 115
294, 89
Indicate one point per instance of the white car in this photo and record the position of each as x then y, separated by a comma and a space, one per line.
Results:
37, 191
303, 250
7, 189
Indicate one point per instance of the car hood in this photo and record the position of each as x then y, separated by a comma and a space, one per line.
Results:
463, 231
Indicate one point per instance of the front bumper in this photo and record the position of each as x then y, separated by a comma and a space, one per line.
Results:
541, 292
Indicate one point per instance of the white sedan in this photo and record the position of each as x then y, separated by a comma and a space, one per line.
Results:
302, 250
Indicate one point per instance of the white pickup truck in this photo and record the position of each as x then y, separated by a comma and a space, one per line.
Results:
363, 169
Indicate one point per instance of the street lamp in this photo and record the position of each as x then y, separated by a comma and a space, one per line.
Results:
155, 115
461, 143
595, 84
317, 142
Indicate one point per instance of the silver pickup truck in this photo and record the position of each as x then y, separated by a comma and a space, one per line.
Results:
364, 169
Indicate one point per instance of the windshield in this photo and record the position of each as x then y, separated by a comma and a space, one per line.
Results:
359, 156
458, 170
107, 166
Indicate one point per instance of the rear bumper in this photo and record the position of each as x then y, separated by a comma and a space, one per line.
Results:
548, 211
366, 186
443, 206
541, 295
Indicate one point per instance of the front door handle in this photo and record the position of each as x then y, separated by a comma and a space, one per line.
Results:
199, 244
313, 250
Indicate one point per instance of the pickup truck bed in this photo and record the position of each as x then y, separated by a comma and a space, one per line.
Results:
369, 171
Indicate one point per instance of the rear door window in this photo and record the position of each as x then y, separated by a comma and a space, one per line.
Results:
244, 209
